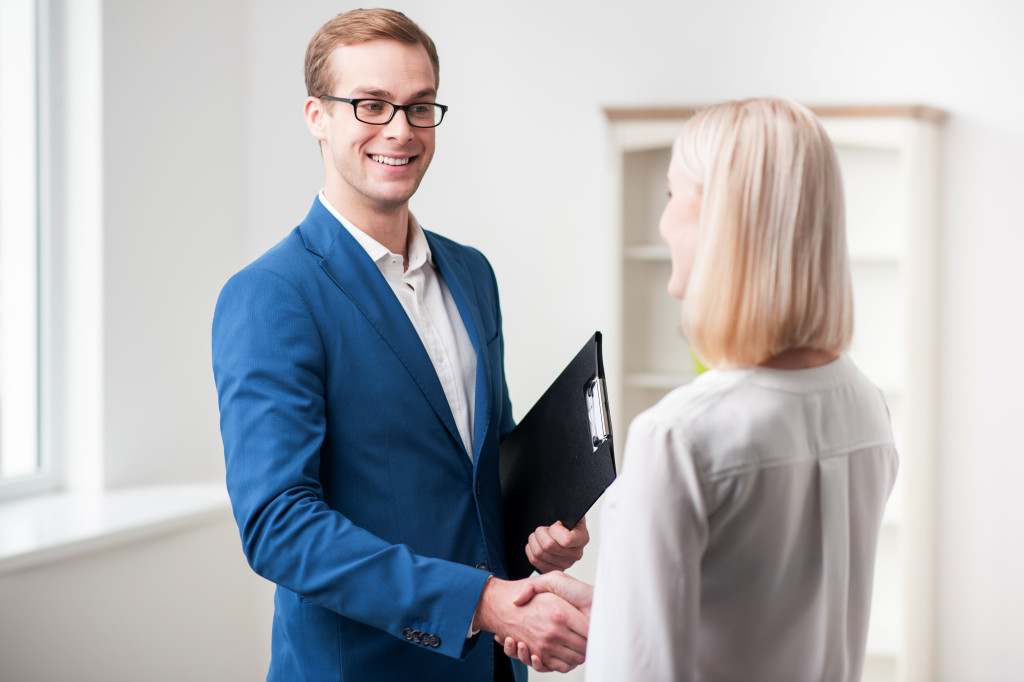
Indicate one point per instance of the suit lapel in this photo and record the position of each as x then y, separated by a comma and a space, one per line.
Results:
460, 284
350, 267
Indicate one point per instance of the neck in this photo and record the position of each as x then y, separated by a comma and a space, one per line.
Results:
799, 358
388, 226
391, 230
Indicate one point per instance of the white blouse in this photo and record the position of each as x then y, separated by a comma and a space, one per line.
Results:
738, 543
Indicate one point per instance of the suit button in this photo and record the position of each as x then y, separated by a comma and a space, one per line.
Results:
478, 488
435, 641
407, 633
482, 566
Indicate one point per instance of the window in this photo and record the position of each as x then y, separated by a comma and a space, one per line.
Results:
21, 463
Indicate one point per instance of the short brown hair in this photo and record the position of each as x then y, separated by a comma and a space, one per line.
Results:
771, 271
356, 27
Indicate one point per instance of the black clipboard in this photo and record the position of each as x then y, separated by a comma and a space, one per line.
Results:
559, 458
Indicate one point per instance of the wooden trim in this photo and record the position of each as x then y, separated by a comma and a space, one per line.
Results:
648, 113
915, 111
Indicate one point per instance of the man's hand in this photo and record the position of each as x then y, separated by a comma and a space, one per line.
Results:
556, 548
552, 630
577, 593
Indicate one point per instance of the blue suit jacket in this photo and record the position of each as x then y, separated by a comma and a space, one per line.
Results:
348, 479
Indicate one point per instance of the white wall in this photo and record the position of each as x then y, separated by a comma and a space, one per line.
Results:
207, 162
183, 606
175, 210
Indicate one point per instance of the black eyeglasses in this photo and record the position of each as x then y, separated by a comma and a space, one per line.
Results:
379, 112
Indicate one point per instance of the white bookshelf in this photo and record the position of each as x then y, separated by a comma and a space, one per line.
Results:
889, 157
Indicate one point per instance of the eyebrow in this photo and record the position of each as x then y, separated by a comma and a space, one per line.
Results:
380, 93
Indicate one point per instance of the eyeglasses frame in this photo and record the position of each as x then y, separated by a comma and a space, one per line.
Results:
395, 108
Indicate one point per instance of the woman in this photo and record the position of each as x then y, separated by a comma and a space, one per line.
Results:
739, 541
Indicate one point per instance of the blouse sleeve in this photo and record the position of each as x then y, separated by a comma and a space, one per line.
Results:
653, 532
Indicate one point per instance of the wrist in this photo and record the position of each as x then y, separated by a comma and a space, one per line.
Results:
474, 627
487, 616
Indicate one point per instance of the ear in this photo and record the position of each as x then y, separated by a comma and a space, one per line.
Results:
315, 115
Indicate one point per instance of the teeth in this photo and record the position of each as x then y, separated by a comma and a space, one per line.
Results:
391, 161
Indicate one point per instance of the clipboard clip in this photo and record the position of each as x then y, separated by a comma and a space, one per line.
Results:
597, 411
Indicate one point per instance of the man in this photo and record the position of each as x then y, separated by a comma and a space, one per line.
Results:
360, 372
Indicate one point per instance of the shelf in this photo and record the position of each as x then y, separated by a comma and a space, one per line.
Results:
647, 252
869, 259
656, 380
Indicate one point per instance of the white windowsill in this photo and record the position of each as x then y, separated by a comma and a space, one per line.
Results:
45, 528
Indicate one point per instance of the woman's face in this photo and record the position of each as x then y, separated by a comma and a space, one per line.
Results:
680, 224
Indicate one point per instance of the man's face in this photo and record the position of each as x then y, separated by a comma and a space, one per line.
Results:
375, 167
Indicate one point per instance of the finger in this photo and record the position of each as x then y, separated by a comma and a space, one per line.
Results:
565, 643
538, 560
566, 538
561, 665
550, 540
577, 593
559, 533
579, 625
544, 553
558, 630
581, 536
547, 545
538, 665
545, 566
543, 542
540, 541
576, 538
542, 565
523, 653
570, 648
526, 593
572, 633
509, 647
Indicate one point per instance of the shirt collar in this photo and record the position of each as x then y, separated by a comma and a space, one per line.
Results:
419, 248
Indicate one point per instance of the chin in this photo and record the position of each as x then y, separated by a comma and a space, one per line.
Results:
395, 199
675, 291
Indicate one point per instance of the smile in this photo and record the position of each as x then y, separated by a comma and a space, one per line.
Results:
389, 160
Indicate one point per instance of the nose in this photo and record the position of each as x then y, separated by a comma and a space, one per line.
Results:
398, 127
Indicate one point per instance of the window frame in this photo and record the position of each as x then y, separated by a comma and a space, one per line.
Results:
24, 127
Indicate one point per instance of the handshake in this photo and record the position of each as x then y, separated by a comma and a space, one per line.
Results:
541, 620
550, 633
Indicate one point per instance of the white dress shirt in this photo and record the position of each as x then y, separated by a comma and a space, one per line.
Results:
739, 541
425, 297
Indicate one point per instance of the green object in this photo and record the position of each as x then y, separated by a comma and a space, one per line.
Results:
698, 366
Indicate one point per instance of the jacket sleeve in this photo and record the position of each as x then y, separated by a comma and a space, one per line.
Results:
269, 367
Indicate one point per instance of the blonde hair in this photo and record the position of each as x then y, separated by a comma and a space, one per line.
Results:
353, 28
771, 272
